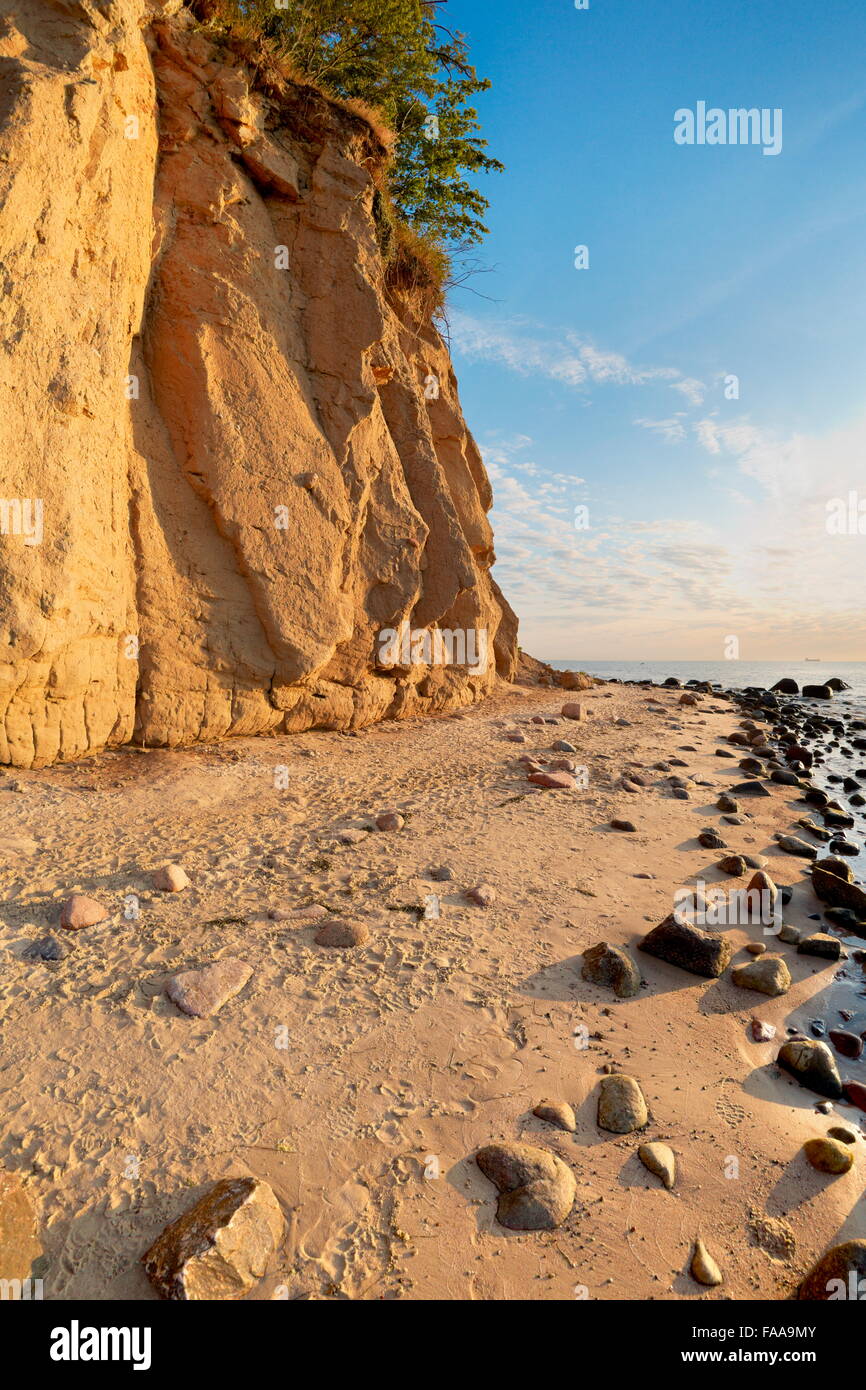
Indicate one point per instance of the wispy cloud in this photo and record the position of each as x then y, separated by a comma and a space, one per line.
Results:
565, 357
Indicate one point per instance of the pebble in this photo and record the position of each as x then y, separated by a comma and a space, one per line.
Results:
79, 911
390, 820
828, 1155
661, 1160
839, 1269
556, 1112
171, 878
341, 933
201, 993
704, 1268
623, 825
761, 1031
482, 895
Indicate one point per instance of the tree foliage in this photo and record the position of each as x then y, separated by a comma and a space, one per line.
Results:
397, 56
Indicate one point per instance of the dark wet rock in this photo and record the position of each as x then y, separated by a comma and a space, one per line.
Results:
785, 779
848, 1044
813, 1065
625, 825
847, 921
855, 1092
48, 947
786, 686
611, 966
791, 845
750, 789
535, 1186
820, 944
690, 948
817, 692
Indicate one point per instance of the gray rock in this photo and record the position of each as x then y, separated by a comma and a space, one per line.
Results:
690, 948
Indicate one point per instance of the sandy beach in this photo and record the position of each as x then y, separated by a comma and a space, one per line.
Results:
360, 1084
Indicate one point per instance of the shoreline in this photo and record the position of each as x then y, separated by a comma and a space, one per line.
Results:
432, 1039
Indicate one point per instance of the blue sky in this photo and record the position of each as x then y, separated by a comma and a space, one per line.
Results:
605, 387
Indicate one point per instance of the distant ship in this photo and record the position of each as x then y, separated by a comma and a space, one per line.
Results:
813, 658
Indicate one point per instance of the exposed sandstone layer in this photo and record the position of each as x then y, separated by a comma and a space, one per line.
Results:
245, 475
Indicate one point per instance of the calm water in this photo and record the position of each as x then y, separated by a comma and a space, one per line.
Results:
735, 675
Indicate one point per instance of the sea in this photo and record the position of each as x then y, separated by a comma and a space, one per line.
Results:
844, 993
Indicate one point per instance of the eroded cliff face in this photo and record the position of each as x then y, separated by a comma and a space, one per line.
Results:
232, 458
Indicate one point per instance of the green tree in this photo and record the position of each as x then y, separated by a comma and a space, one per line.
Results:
396, 56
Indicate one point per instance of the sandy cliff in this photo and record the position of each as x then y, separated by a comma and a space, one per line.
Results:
232, 455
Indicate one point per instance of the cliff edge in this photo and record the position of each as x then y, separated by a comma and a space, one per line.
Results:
239, 494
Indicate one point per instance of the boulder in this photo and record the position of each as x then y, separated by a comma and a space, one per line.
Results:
682, 944
221, 1247
621, 1105
536, 1188
768, 975
813, 1065
840, 1274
